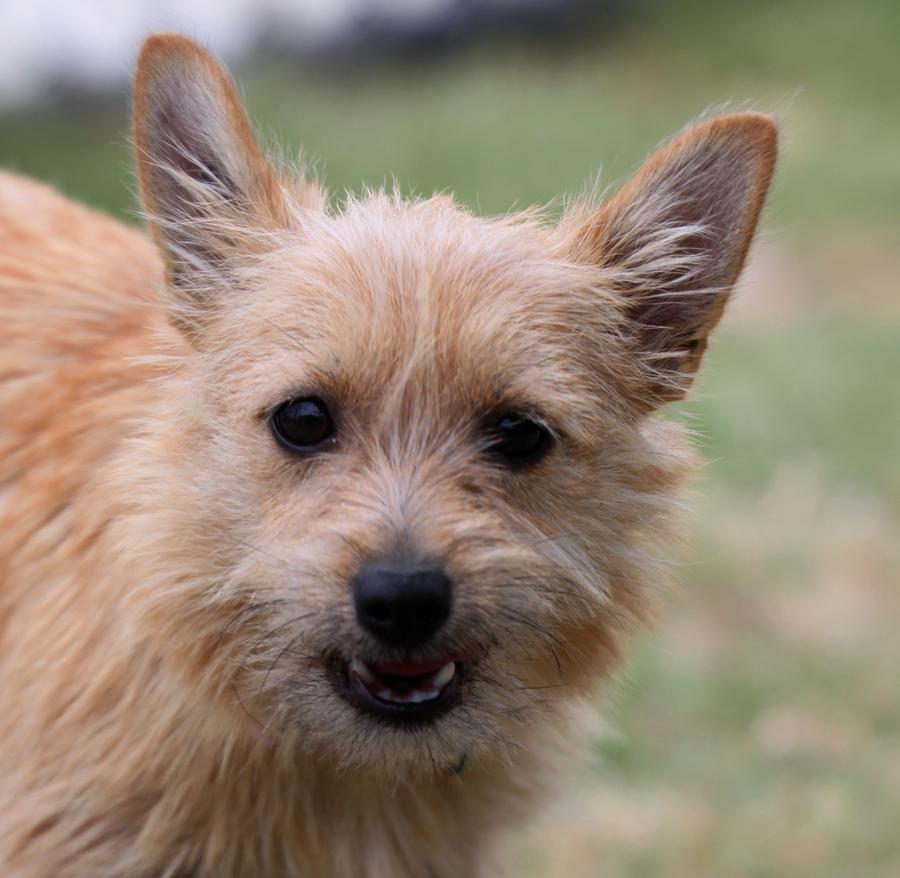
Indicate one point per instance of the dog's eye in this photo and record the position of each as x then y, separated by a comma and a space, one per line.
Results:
302, 424
517, 439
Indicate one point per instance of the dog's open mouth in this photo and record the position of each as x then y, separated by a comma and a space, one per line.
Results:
403, 690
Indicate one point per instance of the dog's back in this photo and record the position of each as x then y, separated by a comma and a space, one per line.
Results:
75, 287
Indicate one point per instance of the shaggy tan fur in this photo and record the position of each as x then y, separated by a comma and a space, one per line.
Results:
173, 584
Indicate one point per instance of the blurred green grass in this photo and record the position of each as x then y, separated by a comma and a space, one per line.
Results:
823, 392
758, 733
516, 125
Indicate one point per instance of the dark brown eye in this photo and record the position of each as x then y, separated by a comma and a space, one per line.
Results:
517, 439
302, 424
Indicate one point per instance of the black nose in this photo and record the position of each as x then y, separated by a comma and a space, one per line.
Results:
402, 603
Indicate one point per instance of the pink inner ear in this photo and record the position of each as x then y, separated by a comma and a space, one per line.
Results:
183, 132
206, 169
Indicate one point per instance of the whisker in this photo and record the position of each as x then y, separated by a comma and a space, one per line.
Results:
277, 659
281, 626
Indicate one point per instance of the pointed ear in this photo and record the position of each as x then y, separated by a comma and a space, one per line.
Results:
674, 240
205, 185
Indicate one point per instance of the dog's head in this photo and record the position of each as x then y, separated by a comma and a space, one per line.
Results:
414, 460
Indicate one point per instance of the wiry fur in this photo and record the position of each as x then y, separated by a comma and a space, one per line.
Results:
171, 581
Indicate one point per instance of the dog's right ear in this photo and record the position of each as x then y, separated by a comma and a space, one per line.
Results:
206, 187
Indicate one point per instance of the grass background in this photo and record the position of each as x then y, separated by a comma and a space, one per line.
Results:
757, 733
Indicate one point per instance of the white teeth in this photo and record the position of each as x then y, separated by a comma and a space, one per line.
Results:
432, 685
362, 670
413, 696
443, 676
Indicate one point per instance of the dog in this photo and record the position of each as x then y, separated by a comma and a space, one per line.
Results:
319, 524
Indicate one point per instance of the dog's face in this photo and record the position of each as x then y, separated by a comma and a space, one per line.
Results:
427, 473
424, 467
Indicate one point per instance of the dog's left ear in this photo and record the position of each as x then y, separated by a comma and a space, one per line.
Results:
674, 240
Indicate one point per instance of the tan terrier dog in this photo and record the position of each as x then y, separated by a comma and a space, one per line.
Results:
315, 524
